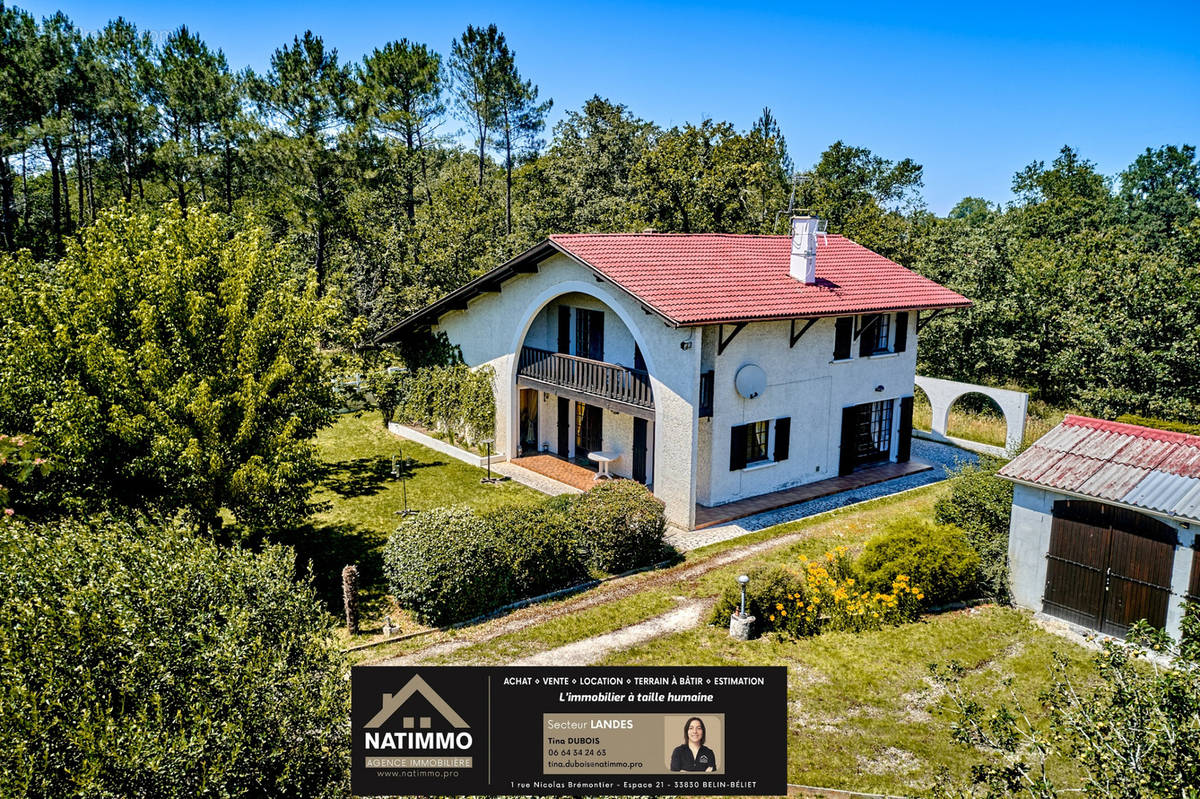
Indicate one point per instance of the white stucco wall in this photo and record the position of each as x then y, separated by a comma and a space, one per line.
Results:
496, 325
1029, 543
803, 383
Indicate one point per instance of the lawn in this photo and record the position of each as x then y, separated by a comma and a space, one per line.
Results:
863, 714
360, 497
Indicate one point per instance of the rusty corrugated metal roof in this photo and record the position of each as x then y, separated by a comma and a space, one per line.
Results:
1154, 470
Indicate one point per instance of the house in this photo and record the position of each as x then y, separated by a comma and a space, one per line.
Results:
712, 367
1103, 524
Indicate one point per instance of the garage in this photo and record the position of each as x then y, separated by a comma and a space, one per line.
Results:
1103, 527
1107, 567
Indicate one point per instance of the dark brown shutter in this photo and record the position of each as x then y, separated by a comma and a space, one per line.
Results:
901, 331
849, 431
867, 334
783, 437
842, 337
737, 447
564, 329
904, 446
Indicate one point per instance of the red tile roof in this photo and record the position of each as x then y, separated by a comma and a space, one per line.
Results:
709, 278
1128, 464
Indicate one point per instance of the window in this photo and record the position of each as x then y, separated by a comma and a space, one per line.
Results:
874, 334
866, 435
756, 441
749, 443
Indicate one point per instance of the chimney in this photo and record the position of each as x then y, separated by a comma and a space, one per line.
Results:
804, 249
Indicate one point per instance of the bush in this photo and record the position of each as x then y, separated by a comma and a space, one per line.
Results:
936, 558
447, 565
621, 523
539, 546
148, 661
766, 587
980, 504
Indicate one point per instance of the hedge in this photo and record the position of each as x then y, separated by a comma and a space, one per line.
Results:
621, 523
451, 564
148, 661
447, 565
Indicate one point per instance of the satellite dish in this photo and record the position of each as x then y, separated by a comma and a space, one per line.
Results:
750, 381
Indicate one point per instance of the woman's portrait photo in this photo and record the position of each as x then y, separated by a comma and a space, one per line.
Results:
695, 752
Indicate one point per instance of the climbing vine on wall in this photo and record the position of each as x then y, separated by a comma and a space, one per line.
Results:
454, 400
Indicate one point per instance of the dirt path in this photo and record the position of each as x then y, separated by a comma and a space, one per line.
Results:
589, 650
617, 589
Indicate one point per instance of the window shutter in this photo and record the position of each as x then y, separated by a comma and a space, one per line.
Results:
783, 437
866, 337
737, 447
904, 446
564, 329
901, 331
849, 434
842, 337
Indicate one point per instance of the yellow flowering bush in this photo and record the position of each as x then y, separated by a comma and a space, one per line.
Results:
833, 598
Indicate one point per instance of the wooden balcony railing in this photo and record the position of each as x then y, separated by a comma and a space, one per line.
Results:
583, 375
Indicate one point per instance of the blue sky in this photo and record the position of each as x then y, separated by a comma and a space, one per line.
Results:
973, 93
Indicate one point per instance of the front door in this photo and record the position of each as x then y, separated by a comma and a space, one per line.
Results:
1108, 567
589, 434
529, 421
639, 450
564, 427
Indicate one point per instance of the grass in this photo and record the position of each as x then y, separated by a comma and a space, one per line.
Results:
851, 526
862, 713
360, 498
977, 418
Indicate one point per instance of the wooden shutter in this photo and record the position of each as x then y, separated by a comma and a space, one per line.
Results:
904, 445
737, 447
849, 434
901, 333
783, 437
564, 329
842, 337
867, 334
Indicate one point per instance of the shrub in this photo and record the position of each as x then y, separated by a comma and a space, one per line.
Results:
621, 523
980, 504
766, 586
539, 546
835, 599
147, 661
447, 565
936, 557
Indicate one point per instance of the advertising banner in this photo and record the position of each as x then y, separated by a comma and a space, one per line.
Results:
578, 731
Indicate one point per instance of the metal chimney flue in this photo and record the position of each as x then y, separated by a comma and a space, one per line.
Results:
804, 249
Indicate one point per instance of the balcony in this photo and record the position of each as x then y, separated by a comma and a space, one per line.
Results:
607, 385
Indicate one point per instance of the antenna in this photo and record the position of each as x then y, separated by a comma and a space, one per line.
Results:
798, 178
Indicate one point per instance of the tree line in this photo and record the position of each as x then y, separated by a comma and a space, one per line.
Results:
399, 178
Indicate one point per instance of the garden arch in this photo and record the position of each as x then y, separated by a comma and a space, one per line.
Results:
943, 393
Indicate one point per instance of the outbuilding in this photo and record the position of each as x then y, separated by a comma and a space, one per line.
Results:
1103, 525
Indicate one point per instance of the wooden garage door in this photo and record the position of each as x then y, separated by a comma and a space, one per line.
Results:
1108, 567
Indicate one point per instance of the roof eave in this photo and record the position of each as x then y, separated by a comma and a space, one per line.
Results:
822, 314
1068, 493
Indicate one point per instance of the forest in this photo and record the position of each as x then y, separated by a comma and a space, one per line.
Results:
396, 179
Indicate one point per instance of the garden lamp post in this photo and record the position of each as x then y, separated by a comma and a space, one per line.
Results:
741, 626
489, 480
